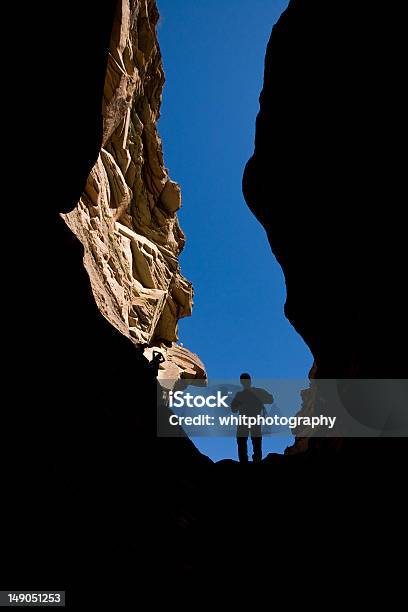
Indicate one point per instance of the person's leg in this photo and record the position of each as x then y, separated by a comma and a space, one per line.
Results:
242, 441
242, 449
256, 438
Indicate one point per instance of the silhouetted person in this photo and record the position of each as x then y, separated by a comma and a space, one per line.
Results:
157, 359
250, 402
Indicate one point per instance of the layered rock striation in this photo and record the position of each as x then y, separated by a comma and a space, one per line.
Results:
127, 216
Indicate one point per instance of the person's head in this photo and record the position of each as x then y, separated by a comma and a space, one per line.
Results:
158, 357
245, 380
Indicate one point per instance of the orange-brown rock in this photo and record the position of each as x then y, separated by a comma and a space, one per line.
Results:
126, 218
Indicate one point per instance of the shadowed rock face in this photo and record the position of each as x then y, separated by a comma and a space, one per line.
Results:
326, 181
79, 446
126, 218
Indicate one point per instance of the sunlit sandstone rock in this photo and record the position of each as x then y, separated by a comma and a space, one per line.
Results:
126, 218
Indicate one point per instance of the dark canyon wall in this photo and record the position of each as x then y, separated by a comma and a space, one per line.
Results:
327, 180
85, 504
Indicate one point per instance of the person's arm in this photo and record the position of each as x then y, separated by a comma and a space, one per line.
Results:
235, 404
264, 396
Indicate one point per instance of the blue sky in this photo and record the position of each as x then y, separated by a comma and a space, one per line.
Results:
213, 55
